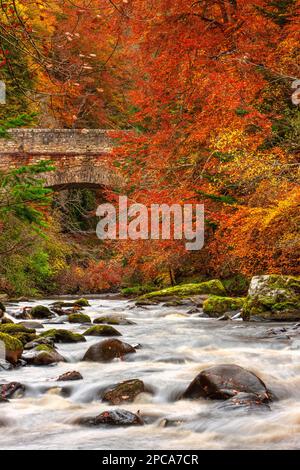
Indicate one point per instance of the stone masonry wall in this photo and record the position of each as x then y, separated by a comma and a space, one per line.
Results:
77, 154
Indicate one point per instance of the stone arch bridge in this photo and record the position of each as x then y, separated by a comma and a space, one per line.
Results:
77, 154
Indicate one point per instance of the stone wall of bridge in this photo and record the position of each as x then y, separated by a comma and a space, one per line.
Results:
79, 155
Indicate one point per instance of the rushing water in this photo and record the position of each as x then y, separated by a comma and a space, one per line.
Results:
175, 348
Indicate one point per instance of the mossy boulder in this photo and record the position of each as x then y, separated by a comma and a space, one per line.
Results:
42, 355
82, 303
113, 320
216, 306
102, 330
273, 297
15, 328
213, 287
63, 336
19, 332
13, 347
79, 318
124, 392
40, 312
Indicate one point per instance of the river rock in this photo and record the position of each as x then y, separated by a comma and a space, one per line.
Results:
12, 390
42, 356
102, 330
124, 392
58, 320
15, 328
112, 417
225, 381
13, 347
31, 325
40, 312
108, 350
69, 376
82, 302
36, 342
216, 306
248, 402
273, 297
63, 336
79, 318
23, 314
113, 320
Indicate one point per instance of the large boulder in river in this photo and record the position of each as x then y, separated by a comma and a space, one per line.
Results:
13, 347
216, 306
225, 381
273, 297
124, 392
112, 417
108, 350
213, 287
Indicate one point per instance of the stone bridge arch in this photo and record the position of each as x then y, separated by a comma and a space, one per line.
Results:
79, 155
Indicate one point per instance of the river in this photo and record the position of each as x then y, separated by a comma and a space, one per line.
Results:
175, 348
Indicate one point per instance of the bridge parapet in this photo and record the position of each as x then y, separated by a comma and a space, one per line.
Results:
56, 141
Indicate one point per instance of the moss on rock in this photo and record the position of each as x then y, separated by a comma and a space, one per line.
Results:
82, 302
273, 297
13, 347
215, 306
40, 311
44, 347
135, 291
20, 332
63, 336
14, 328
124, 392
213, 287
102, 330
79, 318
25, 337
113, 320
